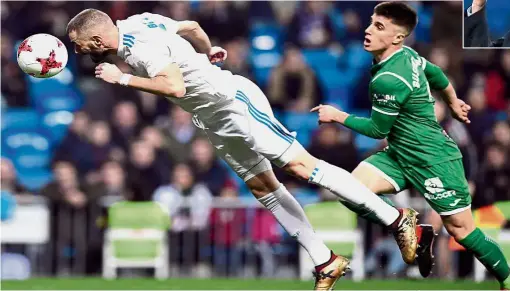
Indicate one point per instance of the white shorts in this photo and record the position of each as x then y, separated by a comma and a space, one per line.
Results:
246, 134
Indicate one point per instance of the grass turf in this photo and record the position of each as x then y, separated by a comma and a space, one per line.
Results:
235, 284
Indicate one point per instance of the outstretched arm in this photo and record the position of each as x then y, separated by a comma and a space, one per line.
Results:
388, 92
377, 126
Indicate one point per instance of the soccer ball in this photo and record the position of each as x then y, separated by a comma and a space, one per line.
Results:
42, 55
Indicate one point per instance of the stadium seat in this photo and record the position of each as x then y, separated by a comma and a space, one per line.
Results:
57, 124
34, 180
136, 238
24, 118
319, 59
364, 143
356, 57
7, 205
337, 226
266, 37
63, 100
24, 140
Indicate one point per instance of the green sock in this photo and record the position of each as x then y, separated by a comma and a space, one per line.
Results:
367, 213
487, 251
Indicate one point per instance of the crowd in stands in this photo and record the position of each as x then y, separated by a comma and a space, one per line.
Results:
125, 144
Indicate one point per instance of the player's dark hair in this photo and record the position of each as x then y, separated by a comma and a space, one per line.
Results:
399, 13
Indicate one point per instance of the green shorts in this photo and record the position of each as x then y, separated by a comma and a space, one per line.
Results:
443, 185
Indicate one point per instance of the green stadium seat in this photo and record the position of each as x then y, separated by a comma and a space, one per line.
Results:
337, 226
136, 238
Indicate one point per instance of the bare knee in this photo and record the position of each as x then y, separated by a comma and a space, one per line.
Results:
263, 184
459, 225
373, 180
302, 166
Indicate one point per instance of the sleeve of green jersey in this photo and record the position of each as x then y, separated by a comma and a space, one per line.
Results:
389, 92
435, 76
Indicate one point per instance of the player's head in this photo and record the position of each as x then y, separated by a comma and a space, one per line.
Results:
390, 24
91, 32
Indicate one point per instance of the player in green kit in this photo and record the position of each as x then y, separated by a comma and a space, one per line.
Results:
419, 154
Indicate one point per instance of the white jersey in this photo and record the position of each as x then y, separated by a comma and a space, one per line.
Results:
149, 42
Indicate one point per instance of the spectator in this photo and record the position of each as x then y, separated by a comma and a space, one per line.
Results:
501, 133
335, 145
101, 148
222, 21
13, 85
189, 205
207, 167
112, 186
144, 172
292, 84
9, 181
311, 26
227, 234
459, 133
265, 234
494, 182
154, 137
75, 147
237, 61
480, 117
178, 132
126, 125
177, 10
497, 88
66, 191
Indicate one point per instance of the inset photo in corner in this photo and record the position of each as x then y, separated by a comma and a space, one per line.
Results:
486, 24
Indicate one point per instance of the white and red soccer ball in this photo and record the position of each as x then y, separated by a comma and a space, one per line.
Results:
42, 55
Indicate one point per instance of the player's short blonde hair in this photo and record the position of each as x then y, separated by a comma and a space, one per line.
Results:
87, 21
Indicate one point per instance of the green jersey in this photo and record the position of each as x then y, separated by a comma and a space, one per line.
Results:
403, 110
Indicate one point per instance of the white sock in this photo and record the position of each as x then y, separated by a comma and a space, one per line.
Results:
345, 186
291, 216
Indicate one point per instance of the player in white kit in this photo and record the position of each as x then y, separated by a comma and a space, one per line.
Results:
173, 59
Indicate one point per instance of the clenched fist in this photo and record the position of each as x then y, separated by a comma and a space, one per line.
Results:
217, 55
460, 111
108, 72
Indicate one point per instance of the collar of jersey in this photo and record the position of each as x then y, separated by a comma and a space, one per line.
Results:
376, 67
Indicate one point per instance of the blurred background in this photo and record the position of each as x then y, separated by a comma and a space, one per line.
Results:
72, 145
498, 17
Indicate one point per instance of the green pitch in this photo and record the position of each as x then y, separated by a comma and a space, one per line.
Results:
235, 284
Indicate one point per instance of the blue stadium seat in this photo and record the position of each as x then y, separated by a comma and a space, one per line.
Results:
7, 205
35, 180
24, 118
266, 37
320, 59
60, 82
30, 160
262, 76
336, 78
63, 100
15, 139
300, 121
28, 149
57, 124
356, 57
365, 143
